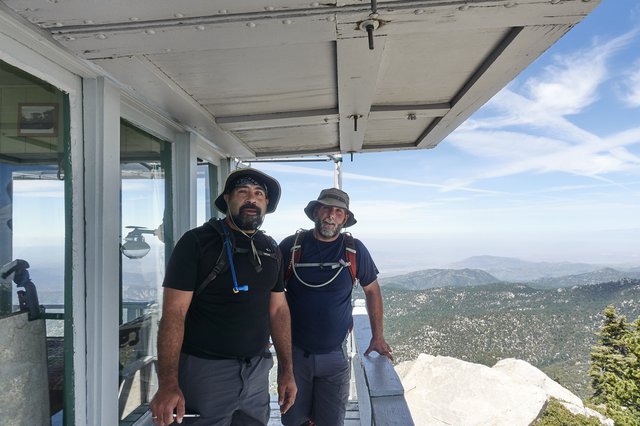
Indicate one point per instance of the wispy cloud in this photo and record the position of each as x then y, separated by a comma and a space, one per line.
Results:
632, 86
571, 82
515, 111
36, 189
405, 182
520, 215
380, 179
562, 188
531, 131
533, 154
566, 87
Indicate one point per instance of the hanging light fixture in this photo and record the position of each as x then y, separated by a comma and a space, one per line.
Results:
135, 246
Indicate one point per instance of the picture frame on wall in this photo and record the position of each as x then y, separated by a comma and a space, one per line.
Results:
38, 119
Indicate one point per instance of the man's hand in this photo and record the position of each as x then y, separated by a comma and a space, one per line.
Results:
381, 346
165, 402
287, 391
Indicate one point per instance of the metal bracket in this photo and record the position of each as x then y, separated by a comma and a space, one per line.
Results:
355, 121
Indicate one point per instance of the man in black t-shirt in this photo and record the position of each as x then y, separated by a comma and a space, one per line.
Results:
213, 357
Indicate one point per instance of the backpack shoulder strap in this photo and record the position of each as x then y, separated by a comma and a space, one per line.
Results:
296, 253
223, 262
349, 249
273, 250
350, 253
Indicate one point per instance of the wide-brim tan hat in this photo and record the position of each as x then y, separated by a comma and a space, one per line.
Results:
267, 182
333, 197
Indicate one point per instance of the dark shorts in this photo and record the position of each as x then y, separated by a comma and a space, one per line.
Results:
226, 391
323, 388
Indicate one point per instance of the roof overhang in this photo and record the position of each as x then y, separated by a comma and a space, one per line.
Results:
300, 77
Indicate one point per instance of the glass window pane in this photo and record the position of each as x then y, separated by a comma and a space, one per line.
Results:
145, 200
207, 189
33, 237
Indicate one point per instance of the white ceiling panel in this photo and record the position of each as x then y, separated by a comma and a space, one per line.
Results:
227, 82
417, 70
260, 79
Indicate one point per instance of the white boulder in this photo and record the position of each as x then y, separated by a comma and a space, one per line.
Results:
448, 391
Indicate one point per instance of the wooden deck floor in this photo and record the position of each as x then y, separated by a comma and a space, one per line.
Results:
352, 418
142, 416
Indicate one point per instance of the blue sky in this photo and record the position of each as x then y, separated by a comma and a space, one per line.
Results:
548, 170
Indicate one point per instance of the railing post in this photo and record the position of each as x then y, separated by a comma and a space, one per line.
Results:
380, 392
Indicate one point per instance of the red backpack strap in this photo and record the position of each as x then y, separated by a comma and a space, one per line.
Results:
296, 253
350, 254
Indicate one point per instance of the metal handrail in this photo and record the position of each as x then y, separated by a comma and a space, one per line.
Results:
380, 392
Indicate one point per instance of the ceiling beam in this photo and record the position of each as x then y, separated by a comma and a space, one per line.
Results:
477, 75
358, 68
327, 116
280, 119
411, 112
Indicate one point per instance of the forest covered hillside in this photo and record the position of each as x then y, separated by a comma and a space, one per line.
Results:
553, 329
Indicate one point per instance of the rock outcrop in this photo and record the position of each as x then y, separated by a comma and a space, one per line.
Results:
448, 391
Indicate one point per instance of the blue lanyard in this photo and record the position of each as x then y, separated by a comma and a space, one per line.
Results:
227, 243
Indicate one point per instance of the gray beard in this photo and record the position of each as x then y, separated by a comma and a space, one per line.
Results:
326, 232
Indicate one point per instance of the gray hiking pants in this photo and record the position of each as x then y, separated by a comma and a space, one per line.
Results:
323, 388
226, 391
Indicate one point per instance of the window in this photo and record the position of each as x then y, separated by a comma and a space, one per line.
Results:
35, 182
146, 243
207, 191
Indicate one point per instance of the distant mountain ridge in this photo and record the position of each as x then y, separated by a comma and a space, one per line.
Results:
517, 270
434, 278
589, 278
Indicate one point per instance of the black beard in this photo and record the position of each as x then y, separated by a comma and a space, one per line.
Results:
248, 222
327, 233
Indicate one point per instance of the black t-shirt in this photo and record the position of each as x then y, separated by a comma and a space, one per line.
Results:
219, 322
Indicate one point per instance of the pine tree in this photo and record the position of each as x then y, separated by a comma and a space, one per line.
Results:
607, 357
615, 368
630, 392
